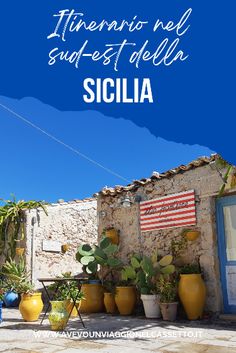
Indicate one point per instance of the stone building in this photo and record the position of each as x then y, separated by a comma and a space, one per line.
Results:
215, 249
68, 223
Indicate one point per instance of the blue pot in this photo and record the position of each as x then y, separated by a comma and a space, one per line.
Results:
11, 299
0, 311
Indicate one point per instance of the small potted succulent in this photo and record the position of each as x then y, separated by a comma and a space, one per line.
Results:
167, 288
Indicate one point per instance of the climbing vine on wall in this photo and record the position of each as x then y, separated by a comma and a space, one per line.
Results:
12, 219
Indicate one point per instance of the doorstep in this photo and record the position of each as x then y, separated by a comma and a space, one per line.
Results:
228, 317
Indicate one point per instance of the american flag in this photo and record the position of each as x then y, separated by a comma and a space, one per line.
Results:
176, 210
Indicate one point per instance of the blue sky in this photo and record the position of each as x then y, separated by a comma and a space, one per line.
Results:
33, 166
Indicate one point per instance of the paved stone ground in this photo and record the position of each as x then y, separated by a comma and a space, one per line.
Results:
126, 334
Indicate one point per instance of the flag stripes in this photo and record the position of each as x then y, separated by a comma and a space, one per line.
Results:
175, 210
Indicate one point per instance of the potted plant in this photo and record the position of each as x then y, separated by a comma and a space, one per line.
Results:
126, 295
167, 288
65, 248
109, 297
191, 234
20, 251
192, 290
31, 304
67, 292
94, 258
11, 297
12, 225
111, 233
152, 268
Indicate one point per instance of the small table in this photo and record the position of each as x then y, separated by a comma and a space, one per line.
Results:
59, 281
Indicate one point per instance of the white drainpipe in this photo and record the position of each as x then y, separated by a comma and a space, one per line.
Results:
33, 221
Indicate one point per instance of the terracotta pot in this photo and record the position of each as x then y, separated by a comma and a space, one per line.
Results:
65, 247
113, 235
192, 293
58, 316
169, 311
192, 235
68, 305
151, 305
31, 306
93, 302
125, 299
20, 251
110, 304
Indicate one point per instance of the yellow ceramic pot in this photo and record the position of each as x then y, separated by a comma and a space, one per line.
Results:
109, 302
192, 293
113, 235
20, 251
125, 299
192, 235
65, 247
68, 305
58, 316
93, 302
31, 306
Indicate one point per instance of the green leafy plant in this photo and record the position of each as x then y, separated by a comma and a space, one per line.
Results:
143, 271
15, 271
167, 289
24, 287
12, 219
229, 169
178, 246
103, 255
66, 290
193, 268
17, 276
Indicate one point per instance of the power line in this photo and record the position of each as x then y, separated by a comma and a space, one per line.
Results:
63, 143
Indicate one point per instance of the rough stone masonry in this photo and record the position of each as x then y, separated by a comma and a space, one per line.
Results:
206, 182
70, 223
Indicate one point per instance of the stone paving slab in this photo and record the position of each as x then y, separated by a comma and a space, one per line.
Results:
135, 334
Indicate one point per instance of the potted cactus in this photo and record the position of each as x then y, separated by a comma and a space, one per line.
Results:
144, 271
93, 259
152, 269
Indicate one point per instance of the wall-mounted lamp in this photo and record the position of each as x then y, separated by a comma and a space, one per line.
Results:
126, 202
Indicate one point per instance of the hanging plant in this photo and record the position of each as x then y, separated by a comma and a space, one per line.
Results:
12, 219
229, 174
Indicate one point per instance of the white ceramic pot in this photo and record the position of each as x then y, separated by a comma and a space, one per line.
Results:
151, 305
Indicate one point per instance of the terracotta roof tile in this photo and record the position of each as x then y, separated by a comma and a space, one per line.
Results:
109, 191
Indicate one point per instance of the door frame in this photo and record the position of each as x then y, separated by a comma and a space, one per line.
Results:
220, 203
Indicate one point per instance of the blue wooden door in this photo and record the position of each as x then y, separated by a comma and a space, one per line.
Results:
226, 225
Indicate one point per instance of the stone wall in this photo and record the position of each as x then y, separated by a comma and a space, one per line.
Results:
206, 182
70, 223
